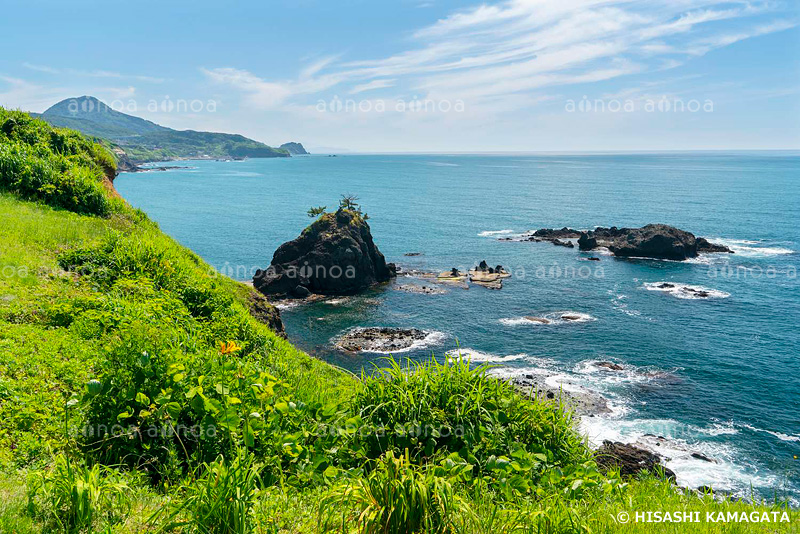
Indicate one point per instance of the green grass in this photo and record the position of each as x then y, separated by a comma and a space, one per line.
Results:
105, 320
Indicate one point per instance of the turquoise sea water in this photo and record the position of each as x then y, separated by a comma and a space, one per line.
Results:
718, 376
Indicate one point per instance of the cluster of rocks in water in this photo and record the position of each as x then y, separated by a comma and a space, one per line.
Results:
659, 241
379, 339
652, 241
699, 293
337, 256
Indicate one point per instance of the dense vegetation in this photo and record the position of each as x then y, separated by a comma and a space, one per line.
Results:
146, 141
137, 393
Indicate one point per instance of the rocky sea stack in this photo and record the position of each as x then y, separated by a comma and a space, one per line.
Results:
333, 256
652, 241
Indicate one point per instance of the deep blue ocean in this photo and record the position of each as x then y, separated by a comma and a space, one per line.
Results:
719, 376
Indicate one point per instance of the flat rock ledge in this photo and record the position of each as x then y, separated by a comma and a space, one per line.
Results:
631, 460
379, 339
582, 402
659, 241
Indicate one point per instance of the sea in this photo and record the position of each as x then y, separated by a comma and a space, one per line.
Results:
716, 376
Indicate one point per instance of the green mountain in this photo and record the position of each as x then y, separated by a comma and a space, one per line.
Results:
144, 140
295, 149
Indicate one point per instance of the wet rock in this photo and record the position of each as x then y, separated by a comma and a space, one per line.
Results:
542, 320
261, 309
631, 460
659, 241
703, 457
587, 242
554, 233
578, 400
379, 339
703, 245
560, 243
301, 292
424, 290
609, 365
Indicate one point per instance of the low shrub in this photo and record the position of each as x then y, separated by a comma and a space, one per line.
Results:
74, 495
220, 500
434, 409
397, 497
58, 167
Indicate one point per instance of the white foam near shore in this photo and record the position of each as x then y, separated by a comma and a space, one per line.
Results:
483, 357
549, 319
490, 233
780, 435
753, 249
725, 471
431, 339
686, 291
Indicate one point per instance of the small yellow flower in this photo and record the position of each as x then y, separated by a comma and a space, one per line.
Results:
229, 348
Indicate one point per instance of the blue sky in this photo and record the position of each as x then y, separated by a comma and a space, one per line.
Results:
424, 75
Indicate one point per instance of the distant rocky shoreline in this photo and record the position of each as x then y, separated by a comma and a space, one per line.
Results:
657, 241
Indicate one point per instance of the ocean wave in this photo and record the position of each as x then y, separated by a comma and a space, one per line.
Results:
719, 429
483, 357
441, 164
780, 435
619, 304
288, 304
686, 291
726, 470
549, 319
490, 233
507, 373
753, 249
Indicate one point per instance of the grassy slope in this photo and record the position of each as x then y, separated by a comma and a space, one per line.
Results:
59, 328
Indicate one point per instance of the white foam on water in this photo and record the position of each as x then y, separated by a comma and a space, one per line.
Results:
489, 233
609, 380
432, 338
686, 291
554, 318
719, 429
441, 164
619, 304
780, 435
752, 249
483, 357
512, 372
337, 302
727, 472
288, 304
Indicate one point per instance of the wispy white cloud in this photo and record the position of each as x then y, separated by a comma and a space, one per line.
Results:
370, 86
90, 74
496, 50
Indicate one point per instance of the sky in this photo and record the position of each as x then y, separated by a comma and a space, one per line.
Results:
424, 75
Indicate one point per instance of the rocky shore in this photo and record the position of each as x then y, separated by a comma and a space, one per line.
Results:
380, 339
658, 241
581, 401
